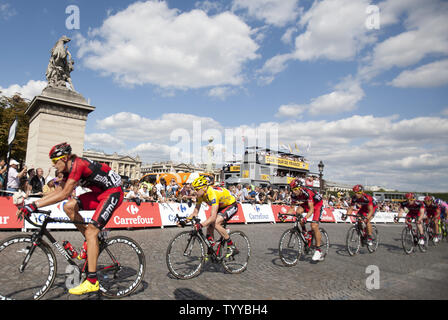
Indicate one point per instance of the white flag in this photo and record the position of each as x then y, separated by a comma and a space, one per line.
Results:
12, 131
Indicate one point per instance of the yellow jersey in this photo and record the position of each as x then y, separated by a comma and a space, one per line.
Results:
217, 196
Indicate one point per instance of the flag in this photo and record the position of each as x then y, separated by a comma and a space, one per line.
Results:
12, 131
283, 146
309, 146
297, 148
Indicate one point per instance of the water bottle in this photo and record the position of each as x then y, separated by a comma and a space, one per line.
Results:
70, 250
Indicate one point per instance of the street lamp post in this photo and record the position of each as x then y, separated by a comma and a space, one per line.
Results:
321, 170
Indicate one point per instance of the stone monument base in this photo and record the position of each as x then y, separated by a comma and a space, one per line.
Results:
56, 115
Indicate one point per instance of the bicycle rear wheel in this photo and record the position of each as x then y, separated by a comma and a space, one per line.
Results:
353, 241
407, 241
375, 240
185, 255
290, 247
34, 281
239, 260
121, 267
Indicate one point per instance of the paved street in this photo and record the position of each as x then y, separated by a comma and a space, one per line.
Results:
340, 277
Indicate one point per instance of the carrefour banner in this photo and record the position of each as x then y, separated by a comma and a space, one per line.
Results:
257, 213
168, 212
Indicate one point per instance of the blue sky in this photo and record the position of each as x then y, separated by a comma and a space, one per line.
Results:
358, 84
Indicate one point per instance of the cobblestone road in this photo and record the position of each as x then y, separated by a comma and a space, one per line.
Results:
339, 277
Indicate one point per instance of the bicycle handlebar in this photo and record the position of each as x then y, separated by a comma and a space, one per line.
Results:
183, 221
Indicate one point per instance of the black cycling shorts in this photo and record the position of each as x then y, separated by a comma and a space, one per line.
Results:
228, 212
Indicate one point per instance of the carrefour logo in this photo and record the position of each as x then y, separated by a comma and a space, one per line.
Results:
182, 208
132, 209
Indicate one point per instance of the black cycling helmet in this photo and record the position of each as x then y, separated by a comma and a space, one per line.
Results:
60, 150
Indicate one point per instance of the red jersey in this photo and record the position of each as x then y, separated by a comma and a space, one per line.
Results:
432, 209
93, 175
364, 202
307, 195
414, 209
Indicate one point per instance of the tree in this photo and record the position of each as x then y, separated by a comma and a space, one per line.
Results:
10, 107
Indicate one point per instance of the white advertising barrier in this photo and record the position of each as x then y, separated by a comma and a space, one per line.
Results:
337, 213
57, 212
258, 212
168, 212
384, 217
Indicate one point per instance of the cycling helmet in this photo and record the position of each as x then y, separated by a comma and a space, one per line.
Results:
410, 196
200, 182
428, 199
60, 150
358, 188
296, 183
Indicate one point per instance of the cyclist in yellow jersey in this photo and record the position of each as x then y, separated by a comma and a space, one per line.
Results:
224, 207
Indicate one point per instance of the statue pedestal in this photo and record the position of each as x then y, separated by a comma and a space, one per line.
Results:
56, 115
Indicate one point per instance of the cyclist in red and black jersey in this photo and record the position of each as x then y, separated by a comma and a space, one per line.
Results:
105, 196
312, 204
366, 205
433, 211
416, 210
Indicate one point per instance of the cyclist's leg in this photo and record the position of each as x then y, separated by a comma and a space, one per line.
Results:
225, 214
71, 208
315, 224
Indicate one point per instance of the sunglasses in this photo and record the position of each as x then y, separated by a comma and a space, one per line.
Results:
54, 160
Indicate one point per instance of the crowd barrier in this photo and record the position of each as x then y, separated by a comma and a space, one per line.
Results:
152, 214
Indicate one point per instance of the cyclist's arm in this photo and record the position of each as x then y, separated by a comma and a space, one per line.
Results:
195, 211
311, 209
370, 214
213, 215
57, 195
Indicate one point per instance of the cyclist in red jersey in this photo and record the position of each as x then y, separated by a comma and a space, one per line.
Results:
313, 206
433, 211
367, 208
105, 196
416, 210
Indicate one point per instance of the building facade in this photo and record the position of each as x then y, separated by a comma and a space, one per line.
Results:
125, 166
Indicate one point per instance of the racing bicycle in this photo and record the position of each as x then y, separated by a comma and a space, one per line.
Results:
410, 236
430, 230
357, 236
290, 246
188, 251
28, 263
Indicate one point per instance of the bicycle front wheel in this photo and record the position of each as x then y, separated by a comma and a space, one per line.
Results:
324, 242
353, 241
407, 240
27, 272
121, 267
238, 261
185, 255
375, 240
290, 247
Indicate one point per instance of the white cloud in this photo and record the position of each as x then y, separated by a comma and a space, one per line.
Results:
433, 74
103, 140
149, 43
425, 35
31, 89
333, 30
6, 11
275, 12
344, 98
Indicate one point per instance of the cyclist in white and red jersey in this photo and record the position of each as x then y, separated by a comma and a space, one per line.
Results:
416, 210
105, 196
366, 205
311, 202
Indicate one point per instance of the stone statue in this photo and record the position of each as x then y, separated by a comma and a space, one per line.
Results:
60, 66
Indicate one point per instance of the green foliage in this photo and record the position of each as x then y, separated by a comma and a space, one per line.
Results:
9, 109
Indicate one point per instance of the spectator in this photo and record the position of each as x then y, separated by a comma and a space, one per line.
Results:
49, 187
14, 176
161, 190
132, 195
3, 168
37, 182
143, 193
